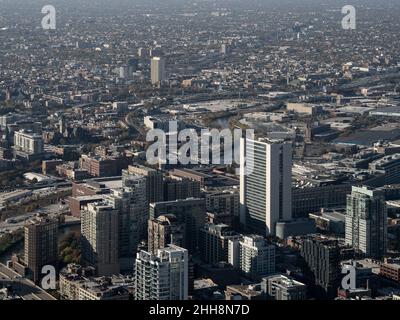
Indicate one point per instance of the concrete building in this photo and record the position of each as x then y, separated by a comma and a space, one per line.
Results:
244, 292
303, 108
79, 283
191, 212
108, 166
366, 276
389, 166
281, 287
253, 255
214, 241
28, 145
224, 202
321, 258
157, 70
163, 276
40, 245
162, 123
154, 182
333, 221
265, 184
96, 186
62, 125
312, 199
179, 188
77, 204
133, 211
366, 222
165, 230
99, 232
390, 269
296, 227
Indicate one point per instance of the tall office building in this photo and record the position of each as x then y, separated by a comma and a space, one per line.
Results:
191, 212
265, 184
253, 255
163, 276
321, 264
40, 245
99, 234
165, 230
157, 70
366, 222
154, 181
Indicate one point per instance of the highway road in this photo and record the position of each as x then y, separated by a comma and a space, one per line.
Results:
22, 287
52, 210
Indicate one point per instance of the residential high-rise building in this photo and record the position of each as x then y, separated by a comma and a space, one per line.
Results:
40, 245
366, 222
99, 234
135, 190
265, 184
223, 205
214, 242
157, 70
176, 189
321, 261
191, 212
253, 255
133, 212
154, 182
165, 230
163, 276
281, 287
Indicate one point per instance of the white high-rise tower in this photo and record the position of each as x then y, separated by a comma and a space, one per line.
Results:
163, 276
265, 184
157, 70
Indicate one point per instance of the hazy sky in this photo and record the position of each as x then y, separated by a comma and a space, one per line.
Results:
81, 7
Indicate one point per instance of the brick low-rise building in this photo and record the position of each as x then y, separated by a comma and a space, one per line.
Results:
391, 270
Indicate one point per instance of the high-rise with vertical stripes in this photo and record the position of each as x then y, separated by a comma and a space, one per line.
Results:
366, 222
265, 184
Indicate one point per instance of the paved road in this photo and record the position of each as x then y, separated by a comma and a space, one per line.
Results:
52, 210
21, 286
4, 226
